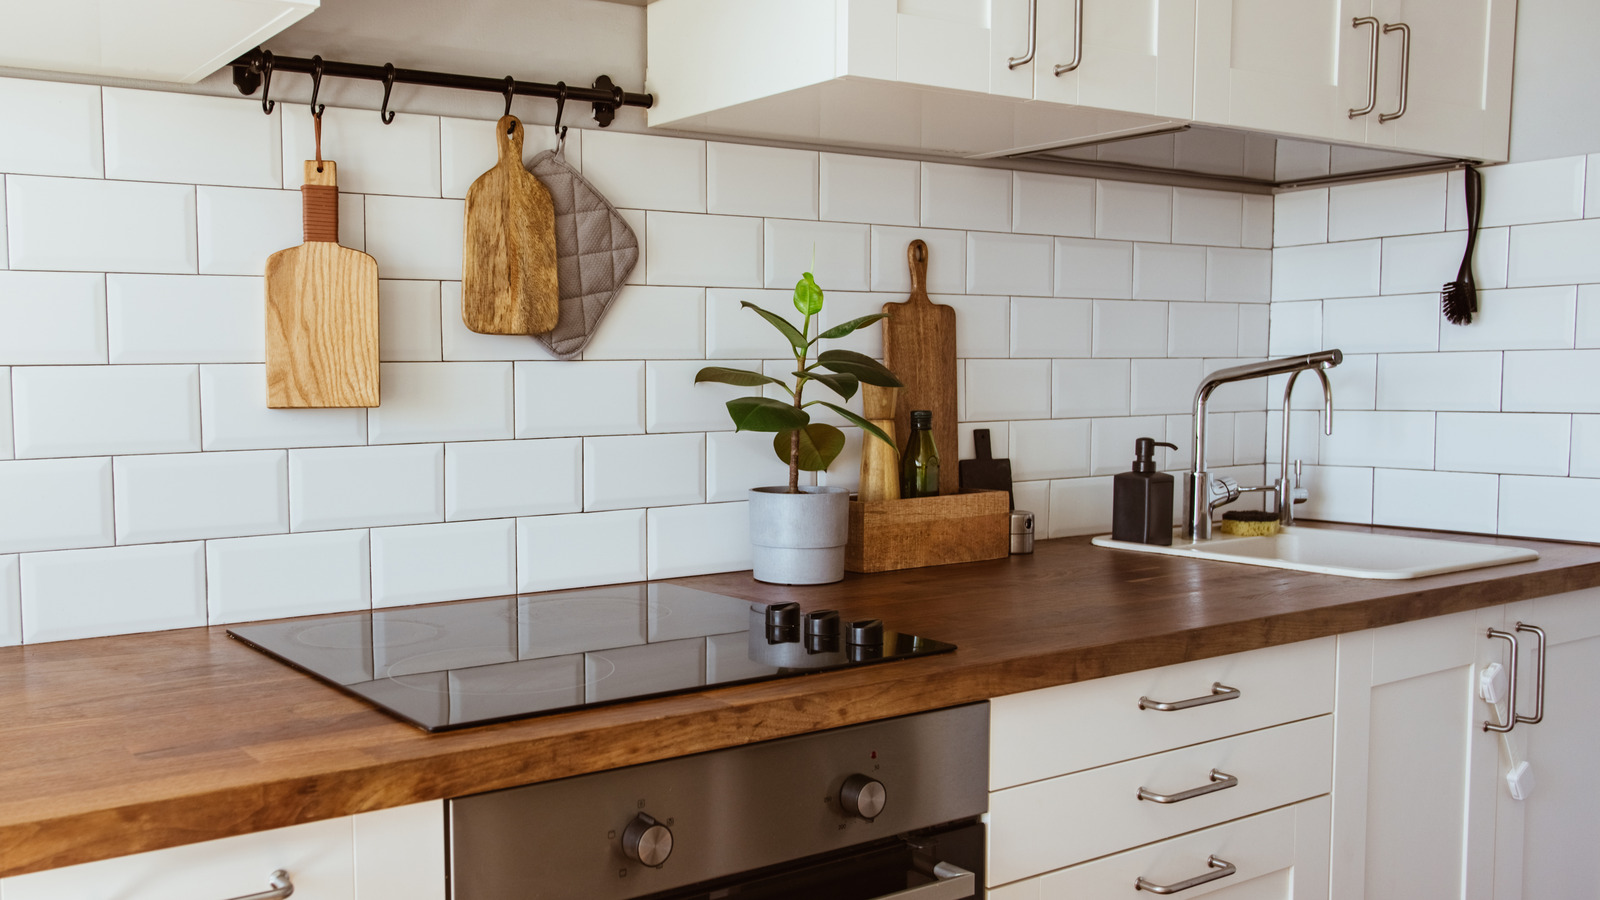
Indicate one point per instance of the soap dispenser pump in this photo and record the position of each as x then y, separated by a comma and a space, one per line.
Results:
1141, 500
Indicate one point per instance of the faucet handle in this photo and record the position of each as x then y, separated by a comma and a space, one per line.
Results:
1223, 490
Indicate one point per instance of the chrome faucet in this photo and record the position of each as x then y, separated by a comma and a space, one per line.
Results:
1288, 495
1201, 492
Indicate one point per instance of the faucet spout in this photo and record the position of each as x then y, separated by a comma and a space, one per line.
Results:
1289, 493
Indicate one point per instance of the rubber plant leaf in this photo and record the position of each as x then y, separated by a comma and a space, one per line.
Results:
839, 331
860, 365
820, 445
795, 338
740, 377
843, 385
765, 414
854, 419
807, 296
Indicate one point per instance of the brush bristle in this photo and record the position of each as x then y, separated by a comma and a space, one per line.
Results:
1458, 301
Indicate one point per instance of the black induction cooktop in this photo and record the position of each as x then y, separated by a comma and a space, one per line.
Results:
473, 662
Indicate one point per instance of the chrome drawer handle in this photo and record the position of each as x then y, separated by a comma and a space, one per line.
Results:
1405, 69
1033, 38
281, 888
1223, 870
1372, 67
1220, 781
1219, 693
1538, 675
1511, 694
1077, 42
954, 883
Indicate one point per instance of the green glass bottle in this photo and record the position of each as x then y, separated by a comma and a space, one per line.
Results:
919, 463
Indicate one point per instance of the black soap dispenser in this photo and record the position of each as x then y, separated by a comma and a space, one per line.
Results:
1141, 500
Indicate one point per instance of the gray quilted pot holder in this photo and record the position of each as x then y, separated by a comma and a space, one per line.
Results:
595, 251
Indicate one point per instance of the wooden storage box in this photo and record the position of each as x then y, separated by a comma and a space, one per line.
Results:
928, 531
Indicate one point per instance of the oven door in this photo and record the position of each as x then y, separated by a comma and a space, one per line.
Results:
938, 865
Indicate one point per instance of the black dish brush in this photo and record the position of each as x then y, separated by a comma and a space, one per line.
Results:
1459, 298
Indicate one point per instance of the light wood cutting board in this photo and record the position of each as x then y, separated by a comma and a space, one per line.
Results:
508, 256
919, 346
322, 310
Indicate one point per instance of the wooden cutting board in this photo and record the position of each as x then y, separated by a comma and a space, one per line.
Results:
919, 346
983, 472
508, 256
322, 310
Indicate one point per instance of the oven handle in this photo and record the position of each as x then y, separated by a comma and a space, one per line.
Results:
955, 883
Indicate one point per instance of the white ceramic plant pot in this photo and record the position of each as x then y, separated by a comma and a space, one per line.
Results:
799, 538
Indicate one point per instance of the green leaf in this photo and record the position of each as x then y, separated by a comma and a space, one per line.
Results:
854, 419
839, 331
820, 444
860, 365
796, 339
843, 385
765, 414
740, 377
807, 296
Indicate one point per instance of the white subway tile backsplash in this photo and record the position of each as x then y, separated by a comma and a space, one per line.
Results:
838, 255
1090, 387
1585, 456
90, 593
190, 139
414, 237
1214, 218
5, 413
869, 189
965, 197
1448, 501
1394, 206
1547, 190
1133, 212
52, 318
55, 504
408, 321
1094, 269
739, 461
490, 479
1034, 497
749, 180
891, 268
674, 402
1112, 448
1423, 262
1560, 508
50, 128
572, 399
1409, 324
1439, 381
1253, 329
399, 158
234, 415
1240, 396
1557, 253
840, 308
460, 344
1551, 381
1491, 258
1008, 264
1355, 385
1052, 204
240, 227
1588, 325
275, 576
5, 261
468, 148
1509, 443
698, 250
454, 401
135, 226
644, 171
1219, 438
983, 325
1305, 428
1258, 221
427, 563
1080, 506
643, 470
555, 552
1049, 448
1168, 272
1203, 329
201, 495
1396, 440
93, 410
1300, 217
185, 319
1130, 328
652, 323
1337, 494
1238, 276
697, 540
1312, 272
1162, 386
10, 601
1054, 327
1249, 437
357, 487
1008, 389
1296, 328
1517, 319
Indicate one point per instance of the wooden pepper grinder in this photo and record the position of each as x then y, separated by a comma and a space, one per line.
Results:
880, 463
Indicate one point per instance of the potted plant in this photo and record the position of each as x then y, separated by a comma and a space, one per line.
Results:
798, 534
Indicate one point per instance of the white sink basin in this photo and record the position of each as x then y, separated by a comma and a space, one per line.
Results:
1354, 554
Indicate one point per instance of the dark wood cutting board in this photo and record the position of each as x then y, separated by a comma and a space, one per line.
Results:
508, 257
984, 472
919, 346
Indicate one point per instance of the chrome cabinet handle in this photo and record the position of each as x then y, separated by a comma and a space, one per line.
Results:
1219, 693
1511, 693
1372, 66
281, 888
1538, 677
1405, 69
1220, 781
955, 883
1077, 43
1033, 38
1223, 870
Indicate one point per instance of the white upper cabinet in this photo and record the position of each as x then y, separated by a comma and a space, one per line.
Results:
1134, 55
160, 40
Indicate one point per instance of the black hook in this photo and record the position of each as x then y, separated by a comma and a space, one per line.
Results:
316, 85
511, 84
388, 85
266, 82
561, 105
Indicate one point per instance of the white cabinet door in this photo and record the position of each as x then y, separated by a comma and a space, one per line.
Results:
1136, 55
1415, 774
1293, 68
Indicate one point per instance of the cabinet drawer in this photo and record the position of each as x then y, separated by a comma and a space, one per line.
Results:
1061, 821
1058, 730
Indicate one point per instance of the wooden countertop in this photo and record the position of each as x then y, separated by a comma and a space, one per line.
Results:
123, 744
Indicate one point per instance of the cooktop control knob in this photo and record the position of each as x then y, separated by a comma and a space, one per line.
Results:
647, 841
863, 796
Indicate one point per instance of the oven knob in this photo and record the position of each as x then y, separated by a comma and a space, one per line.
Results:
647, 841
863, 796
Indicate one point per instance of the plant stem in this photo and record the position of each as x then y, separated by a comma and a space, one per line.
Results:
799, 386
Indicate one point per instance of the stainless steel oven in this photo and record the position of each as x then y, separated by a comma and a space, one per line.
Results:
878, 810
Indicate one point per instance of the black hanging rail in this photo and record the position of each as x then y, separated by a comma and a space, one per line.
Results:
255, 69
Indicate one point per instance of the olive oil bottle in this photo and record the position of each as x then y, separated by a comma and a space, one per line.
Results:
919, 463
